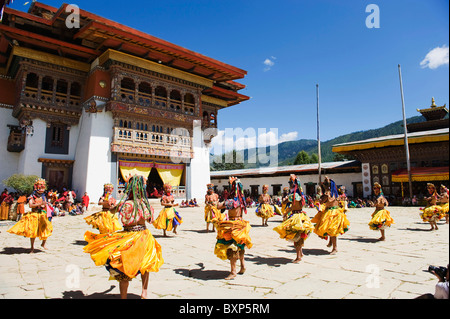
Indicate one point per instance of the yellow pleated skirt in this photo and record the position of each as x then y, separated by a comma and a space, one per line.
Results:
167, 218
232, 235
213, 214
125, 254
381, 220
331, 222
296, 227
265, 211
104, 221
432, 213
444, 209
33, 225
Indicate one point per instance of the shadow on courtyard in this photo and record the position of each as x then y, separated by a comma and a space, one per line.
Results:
201, 273
361, 239
80, 242
269, 261
78, 294
307, 251
199, 231
416, 229
18, 250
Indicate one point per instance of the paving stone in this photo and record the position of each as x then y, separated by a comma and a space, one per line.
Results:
363, 268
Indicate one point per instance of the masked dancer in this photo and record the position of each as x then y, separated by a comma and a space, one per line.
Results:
212, 213
106, 220
331, 221
168, 218
432, 213
233, 234
381, 218
35, 223
133, 251
265, 209
297, 226
443, 201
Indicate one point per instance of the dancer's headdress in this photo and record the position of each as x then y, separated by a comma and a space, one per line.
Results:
237, 191
377, 185
330, 185
297, 188
40, 184
135, 189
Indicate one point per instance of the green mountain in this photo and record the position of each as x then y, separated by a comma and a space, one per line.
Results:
287, 151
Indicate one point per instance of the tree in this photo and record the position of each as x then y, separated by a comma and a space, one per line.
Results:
302, 158
23, 184
223, 164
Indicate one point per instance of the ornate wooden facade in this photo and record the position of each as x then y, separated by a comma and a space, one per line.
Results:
155, 90
428, 144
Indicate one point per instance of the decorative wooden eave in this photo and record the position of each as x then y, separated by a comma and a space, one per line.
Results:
231, 97
434, 136
56, 162
110, 34
98, 35
434, 112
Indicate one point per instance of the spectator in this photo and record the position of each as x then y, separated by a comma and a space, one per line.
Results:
7, 200
441, 288
85, 202
21, 201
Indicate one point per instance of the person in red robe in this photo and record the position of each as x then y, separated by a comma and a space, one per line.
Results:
85, 200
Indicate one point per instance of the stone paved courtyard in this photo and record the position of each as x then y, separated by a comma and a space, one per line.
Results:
363, 268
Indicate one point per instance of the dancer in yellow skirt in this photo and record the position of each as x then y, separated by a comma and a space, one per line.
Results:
233, 234
106, 220
343, 200
35, 223
212, 213
168, 218
134, 250
381, 218
265, 209
297, 227
331, 221
443, 201
432, 213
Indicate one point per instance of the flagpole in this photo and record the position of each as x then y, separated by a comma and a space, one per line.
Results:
318, 135
408, 164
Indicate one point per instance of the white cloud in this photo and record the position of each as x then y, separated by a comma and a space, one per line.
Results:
291, 136
435, 58
269, 63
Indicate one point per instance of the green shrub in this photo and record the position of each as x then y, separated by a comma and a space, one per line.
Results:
23, 184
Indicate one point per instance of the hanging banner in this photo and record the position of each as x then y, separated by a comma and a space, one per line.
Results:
134, 167
169, 173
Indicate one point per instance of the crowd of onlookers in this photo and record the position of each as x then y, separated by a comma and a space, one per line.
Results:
189, 203
13, 205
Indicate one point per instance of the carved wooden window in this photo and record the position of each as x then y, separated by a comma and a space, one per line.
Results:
32, 80
75, 89
57, 139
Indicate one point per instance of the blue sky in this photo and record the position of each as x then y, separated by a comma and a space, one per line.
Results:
305, 43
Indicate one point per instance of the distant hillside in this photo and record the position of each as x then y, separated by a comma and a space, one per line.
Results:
287, 151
